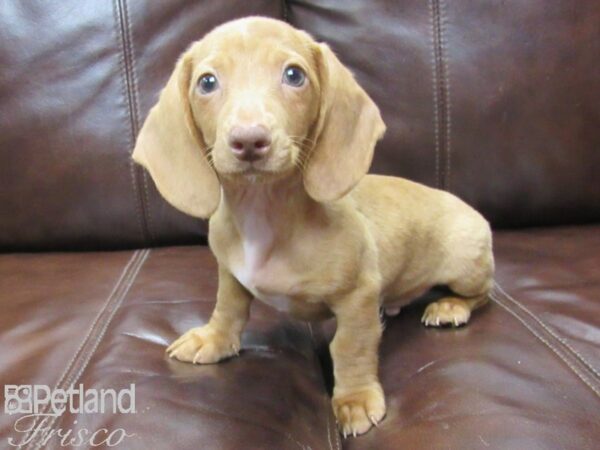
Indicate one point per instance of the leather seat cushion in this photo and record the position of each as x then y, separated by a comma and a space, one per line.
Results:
522, 374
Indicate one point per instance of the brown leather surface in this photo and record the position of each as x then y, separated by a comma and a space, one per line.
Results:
523, 374
106, 324
77, 79
490, 385
551, 277
48, 302
496, 102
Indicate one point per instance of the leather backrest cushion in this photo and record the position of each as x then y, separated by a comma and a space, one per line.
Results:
77, 78
498, 103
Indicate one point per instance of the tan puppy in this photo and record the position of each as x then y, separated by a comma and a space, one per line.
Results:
264, 131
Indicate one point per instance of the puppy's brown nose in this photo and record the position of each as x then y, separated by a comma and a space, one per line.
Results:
249, 143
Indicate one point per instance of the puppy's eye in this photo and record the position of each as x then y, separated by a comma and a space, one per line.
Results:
294, 76
207, 83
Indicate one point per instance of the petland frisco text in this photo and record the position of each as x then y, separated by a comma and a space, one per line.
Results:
42, 408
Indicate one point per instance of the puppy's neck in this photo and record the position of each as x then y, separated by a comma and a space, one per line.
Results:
267, 210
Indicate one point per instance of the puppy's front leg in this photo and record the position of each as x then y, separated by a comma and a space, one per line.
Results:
358, 400
220, 337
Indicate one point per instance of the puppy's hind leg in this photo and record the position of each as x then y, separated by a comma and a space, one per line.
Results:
468, 272
471, 293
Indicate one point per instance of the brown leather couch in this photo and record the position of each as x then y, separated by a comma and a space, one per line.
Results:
498, 102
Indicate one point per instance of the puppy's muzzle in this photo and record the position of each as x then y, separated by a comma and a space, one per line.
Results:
249, 143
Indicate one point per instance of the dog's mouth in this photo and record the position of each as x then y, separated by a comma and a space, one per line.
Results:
255, 173
262, 170
258, 176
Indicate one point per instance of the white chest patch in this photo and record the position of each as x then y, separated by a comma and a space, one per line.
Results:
246, 274
257, 244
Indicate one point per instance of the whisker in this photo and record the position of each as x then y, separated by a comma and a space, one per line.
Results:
304, 150
302, 160
299, 163
209, 156
302, 140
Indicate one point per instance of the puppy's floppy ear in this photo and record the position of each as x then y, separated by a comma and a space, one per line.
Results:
169, 145
347, 129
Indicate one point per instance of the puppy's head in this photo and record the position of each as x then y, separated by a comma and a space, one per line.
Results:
254, 101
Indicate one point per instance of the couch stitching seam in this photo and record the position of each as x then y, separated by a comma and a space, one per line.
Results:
441, 93
436, 107
132, 169
336, 435
446, 71
554, 349
549, 330
112, 305
115, 304
137, 115
285, 13
126, 287
129, 95
69, 365
329, 434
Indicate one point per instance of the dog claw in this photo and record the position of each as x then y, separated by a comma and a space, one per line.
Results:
196, 357
173, 347
171, 352
373, 421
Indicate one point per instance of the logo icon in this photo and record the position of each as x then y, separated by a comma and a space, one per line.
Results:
18, 399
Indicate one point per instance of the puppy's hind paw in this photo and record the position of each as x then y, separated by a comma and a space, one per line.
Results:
447, 311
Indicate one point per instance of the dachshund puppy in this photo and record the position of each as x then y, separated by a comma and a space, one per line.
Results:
265, 132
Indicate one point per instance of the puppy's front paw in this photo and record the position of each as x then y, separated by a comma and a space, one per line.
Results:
358, 410
203, 345
447, 311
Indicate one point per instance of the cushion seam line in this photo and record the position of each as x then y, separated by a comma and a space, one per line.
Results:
561, 354
136, 115
128, 94
63, 375
547, 328
103, 319
441, 93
